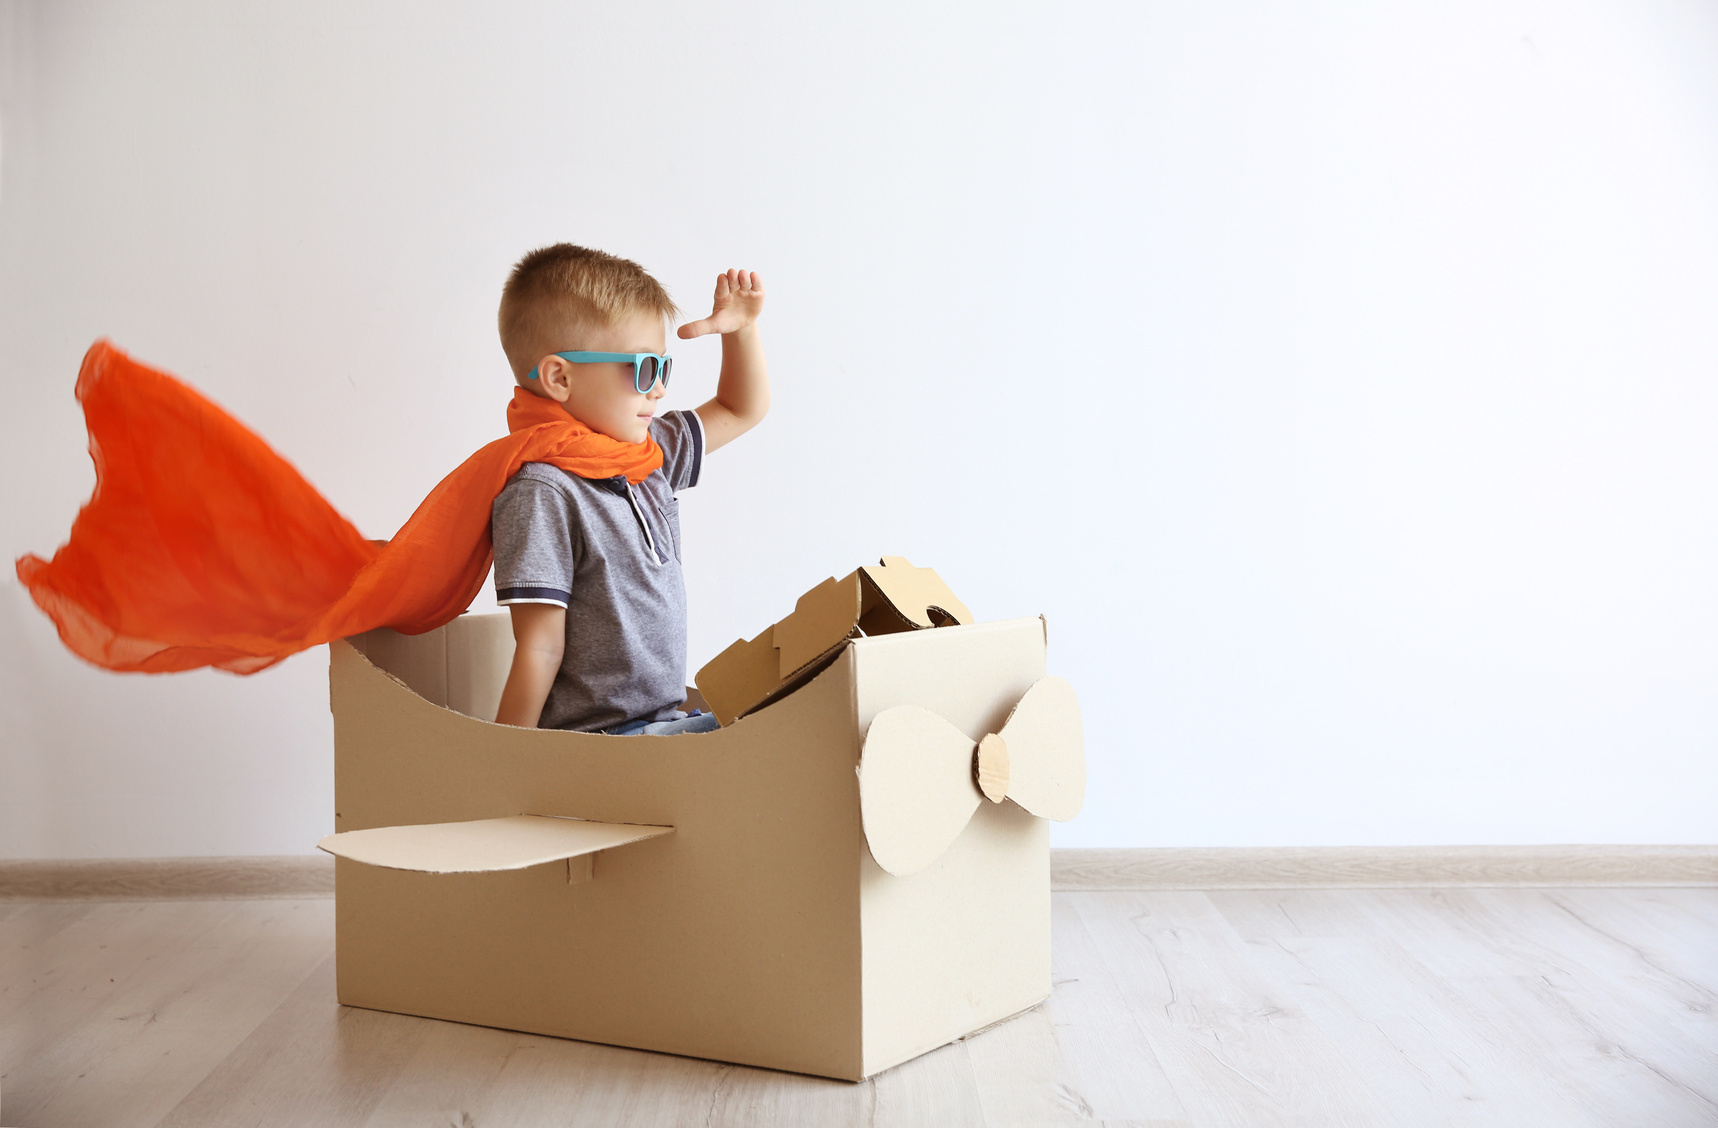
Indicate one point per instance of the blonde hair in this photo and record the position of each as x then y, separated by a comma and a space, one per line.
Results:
554, 290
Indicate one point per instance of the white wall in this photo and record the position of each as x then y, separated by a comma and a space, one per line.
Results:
1338, 378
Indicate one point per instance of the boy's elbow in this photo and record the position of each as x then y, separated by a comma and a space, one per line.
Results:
755, 407
547, 652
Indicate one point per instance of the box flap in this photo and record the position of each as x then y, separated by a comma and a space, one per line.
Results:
739, 677
823, 618
484, 845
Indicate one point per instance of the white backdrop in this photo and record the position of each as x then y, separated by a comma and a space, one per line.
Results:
1337, 378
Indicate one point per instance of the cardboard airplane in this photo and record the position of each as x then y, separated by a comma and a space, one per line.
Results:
852, 871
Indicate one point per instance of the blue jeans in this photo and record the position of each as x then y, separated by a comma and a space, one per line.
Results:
697, 722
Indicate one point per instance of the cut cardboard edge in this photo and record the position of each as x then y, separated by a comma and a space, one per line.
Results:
484, 845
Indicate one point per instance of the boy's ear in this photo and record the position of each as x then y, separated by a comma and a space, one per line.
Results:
554, 379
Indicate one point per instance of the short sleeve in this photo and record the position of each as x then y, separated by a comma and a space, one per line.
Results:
531, 525
680, 434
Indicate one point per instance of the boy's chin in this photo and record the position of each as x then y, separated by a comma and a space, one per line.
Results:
629, 436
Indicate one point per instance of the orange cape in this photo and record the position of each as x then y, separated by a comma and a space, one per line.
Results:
202, 547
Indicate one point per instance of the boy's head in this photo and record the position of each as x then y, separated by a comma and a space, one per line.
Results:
573, 299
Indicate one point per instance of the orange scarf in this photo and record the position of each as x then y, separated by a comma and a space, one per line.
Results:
203, 547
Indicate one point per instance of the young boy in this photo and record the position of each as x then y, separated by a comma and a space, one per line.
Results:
590, 567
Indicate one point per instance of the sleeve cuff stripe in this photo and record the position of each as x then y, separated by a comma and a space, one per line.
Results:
533, 595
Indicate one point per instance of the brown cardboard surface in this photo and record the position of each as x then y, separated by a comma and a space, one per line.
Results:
761, 931
483, 845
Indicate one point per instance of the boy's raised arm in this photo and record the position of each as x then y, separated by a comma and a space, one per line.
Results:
743, 391
539, 640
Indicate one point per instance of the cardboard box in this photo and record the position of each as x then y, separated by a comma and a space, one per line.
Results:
713, 895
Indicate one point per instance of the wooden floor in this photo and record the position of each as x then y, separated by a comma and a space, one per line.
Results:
1511, 1007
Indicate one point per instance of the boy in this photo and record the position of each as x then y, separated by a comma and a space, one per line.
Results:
590, 567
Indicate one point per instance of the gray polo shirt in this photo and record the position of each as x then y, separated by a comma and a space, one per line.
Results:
608, 552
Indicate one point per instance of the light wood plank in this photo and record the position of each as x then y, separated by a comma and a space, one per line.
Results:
1082, 1055
64, 979
312, 1062
581, 1083
166, 1024
1317, 867
745, 1097
1234, 1044
1017, 1069
1425, 1048
1670, 929
936, 1089
1543, 996
1620, 992
27, 930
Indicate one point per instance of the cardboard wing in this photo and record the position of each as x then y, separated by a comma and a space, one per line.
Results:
892, 597
489, 845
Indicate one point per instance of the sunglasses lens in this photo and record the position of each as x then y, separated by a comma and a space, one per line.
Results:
648, 372
667, 367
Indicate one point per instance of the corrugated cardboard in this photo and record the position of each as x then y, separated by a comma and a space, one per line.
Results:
894, 596
760, 931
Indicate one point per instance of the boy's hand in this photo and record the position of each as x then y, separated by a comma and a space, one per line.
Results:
739, 300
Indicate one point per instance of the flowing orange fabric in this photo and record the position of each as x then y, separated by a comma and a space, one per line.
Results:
202, 547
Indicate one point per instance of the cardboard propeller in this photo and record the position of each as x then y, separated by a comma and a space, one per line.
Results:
921, 778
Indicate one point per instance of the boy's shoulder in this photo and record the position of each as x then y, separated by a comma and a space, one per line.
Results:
534, 486
680, 434
541, 473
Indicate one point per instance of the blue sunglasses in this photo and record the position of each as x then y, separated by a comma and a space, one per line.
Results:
647, 368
